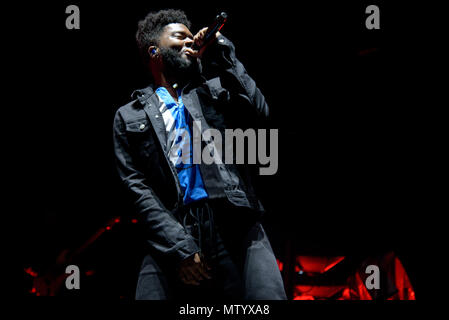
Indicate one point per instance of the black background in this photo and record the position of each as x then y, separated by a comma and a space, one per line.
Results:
347, 181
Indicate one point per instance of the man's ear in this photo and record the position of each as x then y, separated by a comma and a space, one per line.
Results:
153, 51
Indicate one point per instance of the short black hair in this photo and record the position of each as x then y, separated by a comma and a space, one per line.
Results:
150, 28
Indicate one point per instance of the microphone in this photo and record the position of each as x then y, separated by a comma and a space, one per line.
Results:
213, 29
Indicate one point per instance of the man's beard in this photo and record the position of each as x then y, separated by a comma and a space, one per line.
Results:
176, 67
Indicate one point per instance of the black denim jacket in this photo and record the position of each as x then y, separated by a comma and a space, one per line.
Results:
223, 96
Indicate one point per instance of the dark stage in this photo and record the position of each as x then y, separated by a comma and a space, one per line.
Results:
347, 184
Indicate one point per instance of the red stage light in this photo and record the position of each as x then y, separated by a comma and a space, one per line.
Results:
31, 272
280, 265
316, 264
354, 287
90, 272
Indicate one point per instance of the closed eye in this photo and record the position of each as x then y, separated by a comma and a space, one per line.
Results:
182, 36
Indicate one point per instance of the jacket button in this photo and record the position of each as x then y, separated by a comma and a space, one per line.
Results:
142, 126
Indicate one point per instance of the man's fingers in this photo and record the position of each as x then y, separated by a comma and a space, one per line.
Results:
202, 266
196, 273
187, 278
202, 33
202, 270
206, 265
199, 37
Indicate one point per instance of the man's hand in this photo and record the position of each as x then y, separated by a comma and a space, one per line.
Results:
199, 40
192, 270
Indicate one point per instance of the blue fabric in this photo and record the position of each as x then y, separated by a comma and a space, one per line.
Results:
189, 174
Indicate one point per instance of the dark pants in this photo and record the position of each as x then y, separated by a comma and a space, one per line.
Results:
236, 248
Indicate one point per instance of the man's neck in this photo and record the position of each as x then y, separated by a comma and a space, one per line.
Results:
170, 84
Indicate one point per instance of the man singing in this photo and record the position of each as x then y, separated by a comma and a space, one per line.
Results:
201, 221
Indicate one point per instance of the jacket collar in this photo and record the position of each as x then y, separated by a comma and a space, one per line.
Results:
142, 95
149, 102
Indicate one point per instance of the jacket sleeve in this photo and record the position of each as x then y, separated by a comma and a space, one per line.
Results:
163, 231
219, 59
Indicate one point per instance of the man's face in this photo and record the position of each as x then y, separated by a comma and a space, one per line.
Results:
177, 36
175, 46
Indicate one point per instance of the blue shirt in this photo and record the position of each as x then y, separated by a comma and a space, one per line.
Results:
178, 125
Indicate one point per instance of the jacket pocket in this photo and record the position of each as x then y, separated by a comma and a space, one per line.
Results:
216, 90
237, 197
137, 126
140, 139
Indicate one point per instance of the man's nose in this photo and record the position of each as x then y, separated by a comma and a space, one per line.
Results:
188, 42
